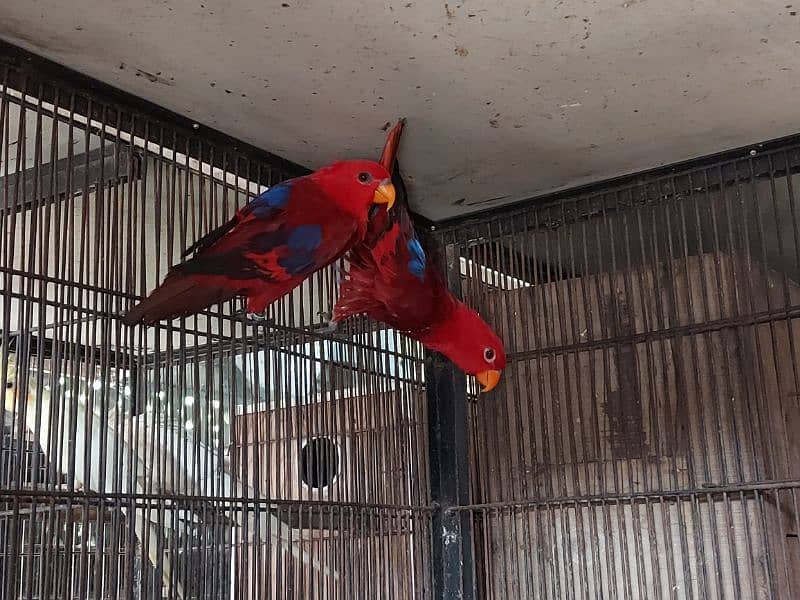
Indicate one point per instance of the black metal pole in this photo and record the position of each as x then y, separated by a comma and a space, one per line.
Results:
453, 565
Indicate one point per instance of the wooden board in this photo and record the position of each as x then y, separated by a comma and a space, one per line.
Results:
679, 377
381, 460
380, 452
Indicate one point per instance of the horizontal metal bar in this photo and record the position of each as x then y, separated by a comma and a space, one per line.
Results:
792, 312
182, 500
711, 490
41, 509
300, 334
48, 347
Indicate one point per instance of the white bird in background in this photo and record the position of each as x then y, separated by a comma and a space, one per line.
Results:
139, 448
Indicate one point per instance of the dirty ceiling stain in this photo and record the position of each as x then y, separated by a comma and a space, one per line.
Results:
503, 100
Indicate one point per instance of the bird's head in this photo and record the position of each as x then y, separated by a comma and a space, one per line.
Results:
357, 185
468, 341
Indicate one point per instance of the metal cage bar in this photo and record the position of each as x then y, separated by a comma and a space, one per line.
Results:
642, 442
640, 445
452, 558
217, 456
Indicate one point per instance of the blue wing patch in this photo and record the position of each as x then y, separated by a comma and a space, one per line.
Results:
302, 241
305, 237
275, 197
297, 262
417, 263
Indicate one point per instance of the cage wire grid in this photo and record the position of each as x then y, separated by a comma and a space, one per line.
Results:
644, 441
221, 456
641, 443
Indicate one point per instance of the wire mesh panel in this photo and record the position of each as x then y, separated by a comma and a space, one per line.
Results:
644, 441
218, 456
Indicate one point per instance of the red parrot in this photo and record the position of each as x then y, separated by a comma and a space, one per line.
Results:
273, 243
391, 280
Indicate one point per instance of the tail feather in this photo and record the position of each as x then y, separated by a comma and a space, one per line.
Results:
179, 296
389, 153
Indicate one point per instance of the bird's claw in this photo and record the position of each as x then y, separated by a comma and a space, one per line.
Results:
255, 316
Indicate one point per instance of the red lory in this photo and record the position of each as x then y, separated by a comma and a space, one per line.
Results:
273, 243
391, 279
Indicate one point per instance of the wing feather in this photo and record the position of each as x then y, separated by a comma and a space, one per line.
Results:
267, 248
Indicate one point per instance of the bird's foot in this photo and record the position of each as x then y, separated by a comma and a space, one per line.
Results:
257, 316
249, 315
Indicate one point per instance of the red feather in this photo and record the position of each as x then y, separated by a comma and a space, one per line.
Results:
271, 245
379, 283
382, 284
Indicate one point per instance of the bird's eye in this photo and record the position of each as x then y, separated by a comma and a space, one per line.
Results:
364, 177
488, 354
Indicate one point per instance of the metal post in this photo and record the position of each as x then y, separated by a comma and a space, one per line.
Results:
453, 567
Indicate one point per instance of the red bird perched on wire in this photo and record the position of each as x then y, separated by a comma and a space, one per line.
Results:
392, 280
273, 243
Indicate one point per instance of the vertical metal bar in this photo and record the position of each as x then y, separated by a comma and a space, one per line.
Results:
453, 567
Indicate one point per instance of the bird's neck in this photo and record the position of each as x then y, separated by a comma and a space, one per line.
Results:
445, 335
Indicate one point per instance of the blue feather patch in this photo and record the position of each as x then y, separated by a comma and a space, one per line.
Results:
275, 197
297, 262
417, 263
305, 237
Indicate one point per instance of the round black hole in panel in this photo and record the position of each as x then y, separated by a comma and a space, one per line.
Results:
319, 462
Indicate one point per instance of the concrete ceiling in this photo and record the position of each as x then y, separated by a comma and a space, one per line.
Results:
505, 100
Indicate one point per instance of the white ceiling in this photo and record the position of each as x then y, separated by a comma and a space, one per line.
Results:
503, 99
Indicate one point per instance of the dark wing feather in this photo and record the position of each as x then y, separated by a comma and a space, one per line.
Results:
178, 296
211, 237
266, 207
263, 251
229, 256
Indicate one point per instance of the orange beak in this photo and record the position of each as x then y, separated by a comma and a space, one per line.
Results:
384, 194
488, 379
